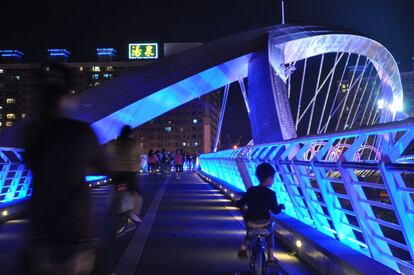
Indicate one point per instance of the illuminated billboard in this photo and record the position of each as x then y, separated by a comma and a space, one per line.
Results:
143, 51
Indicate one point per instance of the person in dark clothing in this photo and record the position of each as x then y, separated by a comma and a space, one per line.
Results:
59, 152
124, 153
163, 161
260, 201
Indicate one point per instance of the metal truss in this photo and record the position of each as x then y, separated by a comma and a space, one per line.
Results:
15, 178
354, 192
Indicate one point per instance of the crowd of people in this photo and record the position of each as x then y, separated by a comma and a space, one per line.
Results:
164, 161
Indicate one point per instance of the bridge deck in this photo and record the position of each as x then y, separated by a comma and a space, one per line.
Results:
188, 228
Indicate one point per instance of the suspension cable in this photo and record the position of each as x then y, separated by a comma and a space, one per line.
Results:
363, 94
301, 91
222, 111
356, 92
329, 92
325, 128
347, 94
316, 91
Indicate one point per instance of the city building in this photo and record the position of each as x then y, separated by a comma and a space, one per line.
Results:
192, 126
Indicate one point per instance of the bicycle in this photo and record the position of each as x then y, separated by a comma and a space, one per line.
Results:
119, 209
258, 251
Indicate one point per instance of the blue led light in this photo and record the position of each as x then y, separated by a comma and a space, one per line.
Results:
92, 178
11, 53
58, 52
106, 51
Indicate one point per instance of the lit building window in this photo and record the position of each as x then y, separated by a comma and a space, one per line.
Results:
1, 71
107, 75
72, 92
168, 129
96, 69
11, 116
9, 123
184, 143
195, 121
95, 76
1, 124
109, 68
97, 83
16, 77
24, 115
81, 69
10, 100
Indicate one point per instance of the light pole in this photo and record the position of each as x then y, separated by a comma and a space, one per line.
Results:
283, 11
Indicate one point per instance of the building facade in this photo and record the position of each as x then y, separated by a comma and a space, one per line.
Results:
191, 126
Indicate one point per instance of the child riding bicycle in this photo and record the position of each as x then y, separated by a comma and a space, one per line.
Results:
260, 200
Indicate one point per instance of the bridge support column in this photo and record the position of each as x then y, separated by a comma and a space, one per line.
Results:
270, 114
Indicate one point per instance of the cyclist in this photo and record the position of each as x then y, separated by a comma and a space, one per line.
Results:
260, 200
179, 161
152, 161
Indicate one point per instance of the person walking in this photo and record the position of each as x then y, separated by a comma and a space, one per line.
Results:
179, 161
152, 161
59, 152
125, 158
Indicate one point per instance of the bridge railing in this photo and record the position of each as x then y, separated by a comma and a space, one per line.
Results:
15, 178
356, 186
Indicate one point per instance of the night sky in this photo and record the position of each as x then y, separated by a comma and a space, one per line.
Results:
82, 26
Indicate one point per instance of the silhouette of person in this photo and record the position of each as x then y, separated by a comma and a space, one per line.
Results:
59, 152
125, 156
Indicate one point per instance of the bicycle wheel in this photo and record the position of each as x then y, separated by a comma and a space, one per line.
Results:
260, 261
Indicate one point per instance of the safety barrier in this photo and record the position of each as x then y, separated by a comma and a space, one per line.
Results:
356, 186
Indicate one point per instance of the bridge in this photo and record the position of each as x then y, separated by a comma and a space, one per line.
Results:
324, 107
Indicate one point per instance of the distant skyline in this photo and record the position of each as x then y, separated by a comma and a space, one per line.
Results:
82, 26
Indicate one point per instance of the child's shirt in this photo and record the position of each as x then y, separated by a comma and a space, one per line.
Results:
260, 201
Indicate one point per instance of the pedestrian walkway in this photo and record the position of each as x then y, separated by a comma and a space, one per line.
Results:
188, 228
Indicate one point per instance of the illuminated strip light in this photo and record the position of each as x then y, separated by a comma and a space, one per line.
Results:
11, 53
58, 52
330, 229
95, 178
308, 219
357, 242
106, 51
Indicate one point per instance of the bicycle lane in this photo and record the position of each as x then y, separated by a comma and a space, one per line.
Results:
192, 233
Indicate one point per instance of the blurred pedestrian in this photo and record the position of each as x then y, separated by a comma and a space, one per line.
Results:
125, 158
59, 152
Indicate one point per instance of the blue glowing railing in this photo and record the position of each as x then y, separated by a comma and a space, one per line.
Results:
340, 184
15, 179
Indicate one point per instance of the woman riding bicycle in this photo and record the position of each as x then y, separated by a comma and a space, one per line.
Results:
260, 200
